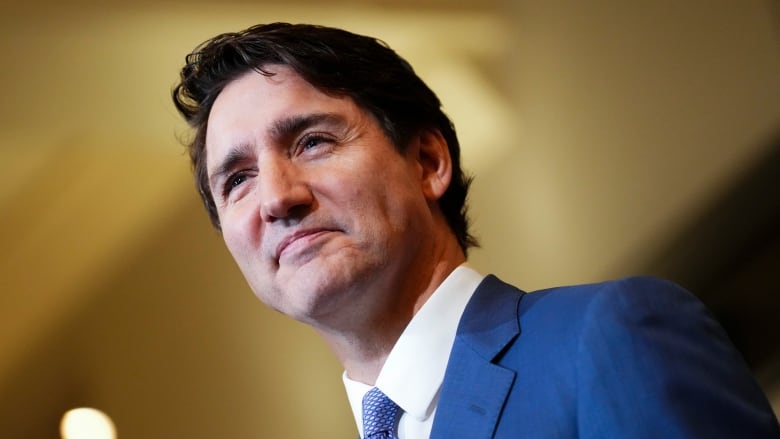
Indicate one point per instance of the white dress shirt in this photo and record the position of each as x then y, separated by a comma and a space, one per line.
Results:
414, 369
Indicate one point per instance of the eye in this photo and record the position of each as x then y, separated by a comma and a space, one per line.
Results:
312, 141
233, 181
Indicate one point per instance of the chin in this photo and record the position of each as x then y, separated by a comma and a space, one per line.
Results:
324, 286
304, 297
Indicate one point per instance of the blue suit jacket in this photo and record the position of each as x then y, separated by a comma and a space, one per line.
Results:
633, 358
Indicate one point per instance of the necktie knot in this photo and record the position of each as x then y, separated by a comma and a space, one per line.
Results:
379, 415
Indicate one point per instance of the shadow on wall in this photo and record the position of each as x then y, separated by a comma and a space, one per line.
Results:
729, 257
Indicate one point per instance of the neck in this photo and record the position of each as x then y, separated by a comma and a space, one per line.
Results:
363, 346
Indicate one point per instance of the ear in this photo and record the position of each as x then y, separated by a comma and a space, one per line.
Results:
434, 159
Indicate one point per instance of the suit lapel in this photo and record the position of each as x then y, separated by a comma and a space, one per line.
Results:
475, 389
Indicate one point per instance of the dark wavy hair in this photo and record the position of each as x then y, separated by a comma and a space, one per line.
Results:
338, 63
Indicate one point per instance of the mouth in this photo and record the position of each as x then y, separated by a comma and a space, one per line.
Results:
298, 241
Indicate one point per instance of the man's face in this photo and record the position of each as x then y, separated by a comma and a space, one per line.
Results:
320, 211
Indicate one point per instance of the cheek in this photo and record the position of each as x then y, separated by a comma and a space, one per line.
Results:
373, 204
238, 224
236, 252
237, 244
385, 213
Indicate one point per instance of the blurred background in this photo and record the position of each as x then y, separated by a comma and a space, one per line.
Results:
607, 138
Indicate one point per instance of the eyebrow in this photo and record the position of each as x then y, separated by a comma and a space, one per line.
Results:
235, 156
281, 130
287, 127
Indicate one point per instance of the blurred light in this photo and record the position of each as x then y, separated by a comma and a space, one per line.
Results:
87, 423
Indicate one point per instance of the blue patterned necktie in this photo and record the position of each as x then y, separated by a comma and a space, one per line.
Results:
379, 416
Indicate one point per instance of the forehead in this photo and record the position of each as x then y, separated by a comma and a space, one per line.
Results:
252, 102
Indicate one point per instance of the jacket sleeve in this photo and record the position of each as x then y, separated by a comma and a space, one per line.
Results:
652, 362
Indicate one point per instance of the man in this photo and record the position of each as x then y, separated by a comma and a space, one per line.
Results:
335, 179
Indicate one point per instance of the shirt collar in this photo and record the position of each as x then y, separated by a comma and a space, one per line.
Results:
414, 369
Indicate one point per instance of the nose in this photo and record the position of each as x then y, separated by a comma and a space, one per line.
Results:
284, 192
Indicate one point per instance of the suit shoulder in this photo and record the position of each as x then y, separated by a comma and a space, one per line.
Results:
608, 351
623, 285
618, 304
629, 291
